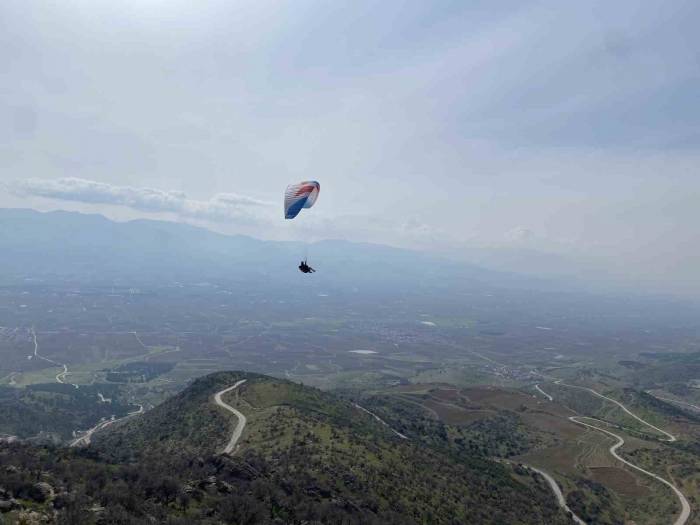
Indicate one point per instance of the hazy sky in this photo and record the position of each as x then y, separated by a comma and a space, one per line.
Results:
568, 128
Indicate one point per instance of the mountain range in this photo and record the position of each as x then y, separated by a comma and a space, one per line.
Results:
76, 248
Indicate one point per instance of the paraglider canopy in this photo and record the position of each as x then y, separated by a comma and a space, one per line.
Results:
299, 196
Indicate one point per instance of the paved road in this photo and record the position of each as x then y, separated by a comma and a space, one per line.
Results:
553, 484
36, 350
241, 418
670, 437
87, 436
685, 506
557, 492
545, 394
61, 375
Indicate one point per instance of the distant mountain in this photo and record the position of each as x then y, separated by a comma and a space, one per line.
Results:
69, 247
310, 455
75, 250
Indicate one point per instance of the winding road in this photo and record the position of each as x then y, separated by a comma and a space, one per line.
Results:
242, 422
36, 350
550, 480
670, 437
85, 438
241, 418
61, 375
545, 394
685, 506
557, 492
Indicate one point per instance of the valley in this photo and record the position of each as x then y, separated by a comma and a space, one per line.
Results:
499, 385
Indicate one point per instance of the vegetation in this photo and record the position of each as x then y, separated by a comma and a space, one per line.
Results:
138, 372
304, 450
500, 435
671, 368
56, 409
593, 503
306, 455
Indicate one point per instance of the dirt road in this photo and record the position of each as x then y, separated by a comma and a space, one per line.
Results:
241, 418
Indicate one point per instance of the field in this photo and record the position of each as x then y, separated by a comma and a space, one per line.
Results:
461, 371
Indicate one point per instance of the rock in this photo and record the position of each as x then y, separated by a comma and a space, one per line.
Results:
41, 492
62, 500
235, 468
225, 488
32, 518
318, 492
6, 505
207, 482
349, 480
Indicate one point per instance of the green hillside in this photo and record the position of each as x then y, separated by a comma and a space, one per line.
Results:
55, 410
308, 455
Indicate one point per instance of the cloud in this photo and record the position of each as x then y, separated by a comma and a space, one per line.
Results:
221, 207
519, 234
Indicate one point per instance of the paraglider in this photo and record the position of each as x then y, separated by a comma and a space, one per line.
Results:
296, 198
300, 196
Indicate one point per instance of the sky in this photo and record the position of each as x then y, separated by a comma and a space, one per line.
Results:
546, 137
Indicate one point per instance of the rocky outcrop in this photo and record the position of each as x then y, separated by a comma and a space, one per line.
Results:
41, 492
7, 502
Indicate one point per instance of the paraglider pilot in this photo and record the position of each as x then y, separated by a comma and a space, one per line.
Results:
305, 268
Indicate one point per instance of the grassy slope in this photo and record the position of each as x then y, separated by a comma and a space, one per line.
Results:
322, 449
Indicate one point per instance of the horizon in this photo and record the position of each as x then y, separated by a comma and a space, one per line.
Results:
555, 283
533, 137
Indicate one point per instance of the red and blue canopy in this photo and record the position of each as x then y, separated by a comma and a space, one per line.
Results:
299, 196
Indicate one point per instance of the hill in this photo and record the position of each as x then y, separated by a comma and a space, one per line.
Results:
309, 455
54, 410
